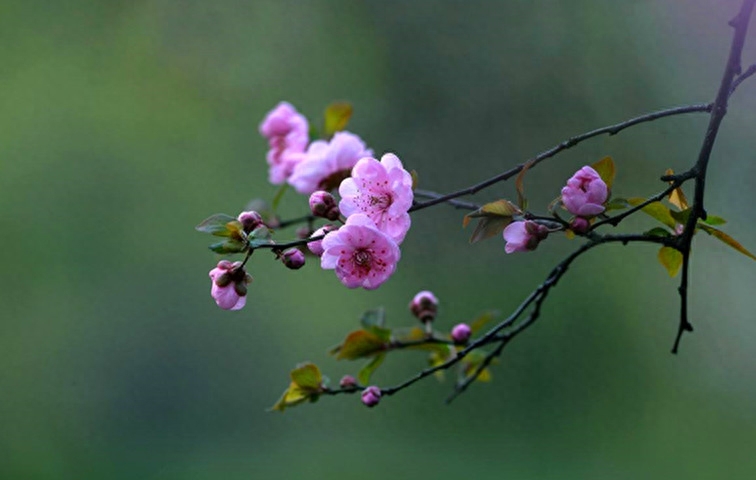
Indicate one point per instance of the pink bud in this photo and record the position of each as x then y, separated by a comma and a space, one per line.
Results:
585, 193
347, 382
424, 306
371, 396
293, 258
250, 220
579, 225
316, 246
524, 236
229, 285
461, 333
322, 204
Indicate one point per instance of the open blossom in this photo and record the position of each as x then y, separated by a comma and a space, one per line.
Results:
326, 164
229, 285
381, 190
523, 236
585, 193
287, 132
361, 255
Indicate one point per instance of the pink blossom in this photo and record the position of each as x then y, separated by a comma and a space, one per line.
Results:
316, 246
361, 255
229, 285
381, 190
287, 132
326, 164
585, 193
523, 236
371, 396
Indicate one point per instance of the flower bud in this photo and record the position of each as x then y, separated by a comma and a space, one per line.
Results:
316, 246
424, 306
348, 382
293, 258
580, 225
461, 333
229, 285
322, 204
585, 193
371, 396
524, 236
250, 220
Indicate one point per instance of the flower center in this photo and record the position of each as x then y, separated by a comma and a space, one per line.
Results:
362, 258
382, 202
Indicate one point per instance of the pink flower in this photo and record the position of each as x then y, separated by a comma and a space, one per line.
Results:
229, 285
523, 236
381, 190
316, 246
362, 255
585, 193
287, 132
326, 164
371, 396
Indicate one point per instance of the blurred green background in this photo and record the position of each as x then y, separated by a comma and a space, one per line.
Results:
125, 123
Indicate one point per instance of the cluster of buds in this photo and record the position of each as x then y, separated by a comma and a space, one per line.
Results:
323, 205
229, 285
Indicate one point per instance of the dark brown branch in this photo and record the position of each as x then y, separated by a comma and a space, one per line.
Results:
564, 145
719, 110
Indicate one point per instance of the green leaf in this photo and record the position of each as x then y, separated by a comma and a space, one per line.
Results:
359, 344
606, 170
714, 220
417, 334
658, 232
670, 259
279, 195
493, 216
470, 364
437, 358
220, 225
616, 204
483, 319
307, 376
363, 376
291, 397
228, 246
656, 210
728, 240
681, 217
336, 117
520, 184
676, 196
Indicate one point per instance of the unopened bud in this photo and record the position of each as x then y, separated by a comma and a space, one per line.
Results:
424, 306
371, 396
348, 382
293, 258
322, 204
461, 333
316, 246
579, 225
250, 220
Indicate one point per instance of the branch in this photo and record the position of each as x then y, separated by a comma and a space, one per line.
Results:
564, 145
718, 112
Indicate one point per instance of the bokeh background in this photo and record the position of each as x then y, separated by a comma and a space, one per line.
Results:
125, 123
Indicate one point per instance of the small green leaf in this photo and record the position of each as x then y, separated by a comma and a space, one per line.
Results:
415, 179
437, 358
656, 210
520, 184
670, 259
417, 334
606, 170
307, 376
483, 319
471, 363
291, 397
336, 117
220, 225
363, 376
658, 232
682, 216
359, 344
228, 246
728, 240
714, 220
493, 216
676, 196
489, 227
616, 204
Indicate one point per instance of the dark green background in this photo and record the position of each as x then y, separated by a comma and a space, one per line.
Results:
125, 123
